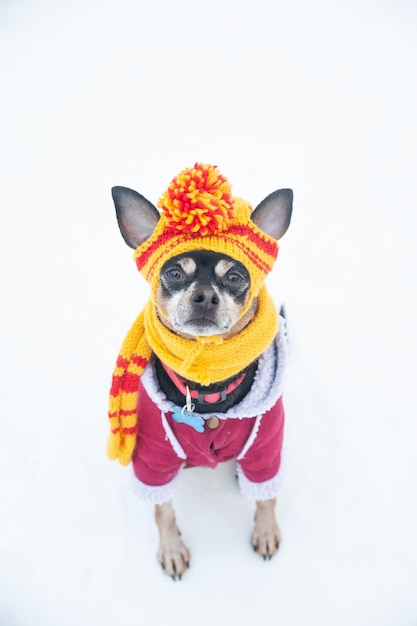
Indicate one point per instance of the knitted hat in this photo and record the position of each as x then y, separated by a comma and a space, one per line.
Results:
199, 213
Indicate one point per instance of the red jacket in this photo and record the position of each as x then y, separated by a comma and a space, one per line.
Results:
251, 432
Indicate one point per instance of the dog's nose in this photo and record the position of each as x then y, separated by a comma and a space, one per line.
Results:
205, 297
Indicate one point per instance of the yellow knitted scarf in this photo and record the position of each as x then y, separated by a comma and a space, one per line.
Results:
205, 360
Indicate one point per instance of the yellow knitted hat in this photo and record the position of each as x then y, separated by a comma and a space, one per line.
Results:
199, 213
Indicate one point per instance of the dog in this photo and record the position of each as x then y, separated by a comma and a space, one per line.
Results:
206, 299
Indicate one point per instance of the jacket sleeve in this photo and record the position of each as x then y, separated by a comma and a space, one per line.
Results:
155, 462
259, 466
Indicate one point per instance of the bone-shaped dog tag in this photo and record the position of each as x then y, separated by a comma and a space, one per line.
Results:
182, 416
185, 415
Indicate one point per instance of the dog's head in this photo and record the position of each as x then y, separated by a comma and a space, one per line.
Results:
202, 293
204, 276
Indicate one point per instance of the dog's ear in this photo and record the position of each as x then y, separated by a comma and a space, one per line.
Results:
273, 215
136, 216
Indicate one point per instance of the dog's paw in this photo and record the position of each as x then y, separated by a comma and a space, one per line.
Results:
266, 535
174, 558
265, 540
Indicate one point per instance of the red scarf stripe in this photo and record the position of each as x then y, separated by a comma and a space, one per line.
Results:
123, 383
139, 360
116, 385
131, 430
130, 382
122, 362
122, 413
127, 412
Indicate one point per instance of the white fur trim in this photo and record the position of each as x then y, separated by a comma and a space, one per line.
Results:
178, 449
251, 438
151, 385
154, 494
265, 490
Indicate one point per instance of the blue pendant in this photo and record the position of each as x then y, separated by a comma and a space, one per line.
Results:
182, 416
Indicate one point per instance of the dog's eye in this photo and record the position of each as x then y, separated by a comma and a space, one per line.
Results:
233, 278
174, 274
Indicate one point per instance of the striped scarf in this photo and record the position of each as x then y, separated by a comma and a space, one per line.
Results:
204, 360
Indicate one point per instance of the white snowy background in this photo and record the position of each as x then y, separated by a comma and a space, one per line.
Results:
319, 96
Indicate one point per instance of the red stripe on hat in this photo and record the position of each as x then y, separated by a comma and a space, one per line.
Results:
254, 258
163, 240
268, 246
164, 243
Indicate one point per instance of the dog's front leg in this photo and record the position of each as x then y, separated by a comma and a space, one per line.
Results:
266, 535
173, 554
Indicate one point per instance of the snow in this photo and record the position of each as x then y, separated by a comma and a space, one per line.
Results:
318, 96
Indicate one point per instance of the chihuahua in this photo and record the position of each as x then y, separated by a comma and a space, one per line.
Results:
205, 293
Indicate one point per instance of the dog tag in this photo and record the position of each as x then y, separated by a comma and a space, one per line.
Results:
182, 416
185, 415
213, 421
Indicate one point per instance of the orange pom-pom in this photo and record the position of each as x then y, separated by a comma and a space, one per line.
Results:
199, 201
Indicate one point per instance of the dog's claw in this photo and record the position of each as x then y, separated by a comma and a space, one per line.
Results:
266, 550
171, 569
174, 567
